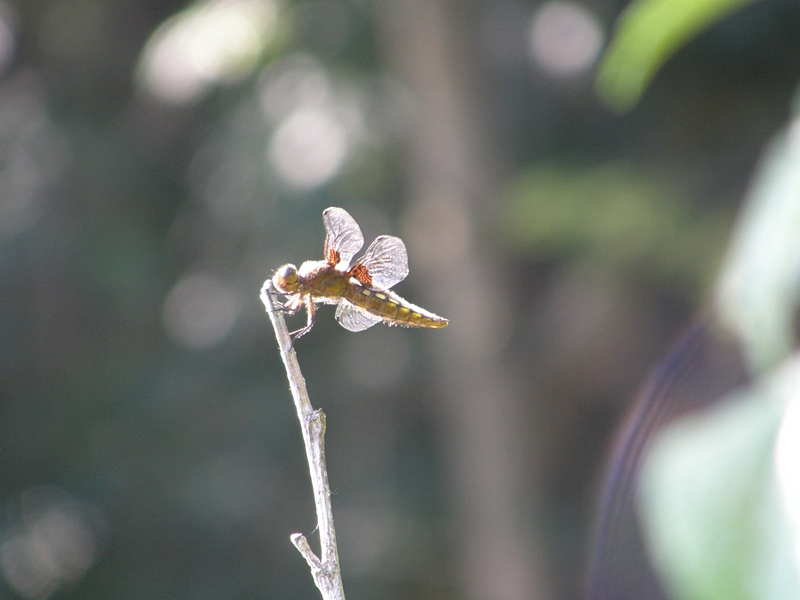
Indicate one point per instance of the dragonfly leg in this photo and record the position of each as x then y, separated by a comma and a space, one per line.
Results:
283, 308
309, 304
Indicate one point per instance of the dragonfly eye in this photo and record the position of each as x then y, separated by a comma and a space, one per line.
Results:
286, 279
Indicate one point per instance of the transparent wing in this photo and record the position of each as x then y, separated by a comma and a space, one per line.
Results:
343, 236
353, 318
386, 262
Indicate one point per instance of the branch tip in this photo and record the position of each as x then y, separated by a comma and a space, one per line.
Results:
326, 574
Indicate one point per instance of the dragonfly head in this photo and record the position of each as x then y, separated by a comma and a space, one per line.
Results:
286, 280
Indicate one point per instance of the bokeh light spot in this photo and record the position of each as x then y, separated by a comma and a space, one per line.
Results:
308, 148
59, 542
200, 311
291, 83
212, 42
565, 38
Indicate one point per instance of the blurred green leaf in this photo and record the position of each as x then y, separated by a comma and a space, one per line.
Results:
618, 215
759, 286
713, 516
649, 33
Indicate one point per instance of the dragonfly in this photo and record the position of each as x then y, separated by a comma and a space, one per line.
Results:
361, 292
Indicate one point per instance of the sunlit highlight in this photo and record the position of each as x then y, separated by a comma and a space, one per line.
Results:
565, 38
787, 466
215, 41
200, 311
308, 148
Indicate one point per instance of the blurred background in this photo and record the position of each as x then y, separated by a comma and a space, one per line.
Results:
160, 158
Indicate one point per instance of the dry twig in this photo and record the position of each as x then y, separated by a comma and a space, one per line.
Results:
324, 569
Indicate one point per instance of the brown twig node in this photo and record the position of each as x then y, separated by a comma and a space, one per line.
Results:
324, 569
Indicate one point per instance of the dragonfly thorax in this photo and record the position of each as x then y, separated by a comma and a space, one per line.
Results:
286, 280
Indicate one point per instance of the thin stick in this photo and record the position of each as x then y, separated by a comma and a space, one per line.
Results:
325, 571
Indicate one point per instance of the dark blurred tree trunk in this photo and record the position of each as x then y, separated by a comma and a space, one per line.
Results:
450, 173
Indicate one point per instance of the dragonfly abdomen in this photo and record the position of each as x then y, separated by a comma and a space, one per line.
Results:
393, 309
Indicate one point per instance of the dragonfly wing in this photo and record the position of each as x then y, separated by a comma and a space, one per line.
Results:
343, 237
353, 318
385, 261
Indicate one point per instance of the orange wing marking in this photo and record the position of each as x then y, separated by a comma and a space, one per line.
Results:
342, 236
333, 257
385, 261
361, 273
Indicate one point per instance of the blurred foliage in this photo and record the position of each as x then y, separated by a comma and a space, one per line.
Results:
759, 287
623, 218
648, 33
717, 524
716, 521
718, 495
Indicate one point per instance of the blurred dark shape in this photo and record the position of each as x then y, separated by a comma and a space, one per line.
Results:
231, 488
376, 360
503, 34
323, 25
9, 23
449, 167
700, 370
597, 326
